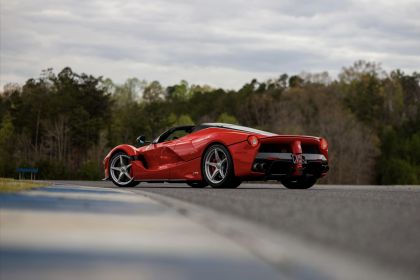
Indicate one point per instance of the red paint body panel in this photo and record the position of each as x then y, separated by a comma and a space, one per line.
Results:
243, 156
180, 159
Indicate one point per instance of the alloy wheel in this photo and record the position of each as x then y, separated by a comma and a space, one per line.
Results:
216, 165
120, 169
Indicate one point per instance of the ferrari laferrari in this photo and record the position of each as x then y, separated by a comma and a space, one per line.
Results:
219, 155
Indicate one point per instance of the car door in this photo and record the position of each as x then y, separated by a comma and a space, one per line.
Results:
176, 152
168, 155
154, 169
163, 157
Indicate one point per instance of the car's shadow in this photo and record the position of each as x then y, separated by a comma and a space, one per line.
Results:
240, 188
207, 188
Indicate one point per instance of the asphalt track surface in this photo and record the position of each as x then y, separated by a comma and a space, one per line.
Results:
378, 223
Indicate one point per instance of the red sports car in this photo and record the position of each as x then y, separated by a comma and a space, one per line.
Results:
220, 155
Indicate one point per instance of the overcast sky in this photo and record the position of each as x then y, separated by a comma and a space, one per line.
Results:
217, 42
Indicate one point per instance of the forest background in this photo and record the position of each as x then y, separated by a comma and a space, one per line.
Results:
65, 123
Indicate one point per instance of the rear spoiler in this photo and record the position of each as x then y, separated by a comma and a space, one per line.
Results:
290, 139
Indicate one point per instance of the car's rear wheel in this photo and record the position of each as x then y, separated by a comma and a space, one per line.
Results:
197, 184
298, 183
217, 168
120, 170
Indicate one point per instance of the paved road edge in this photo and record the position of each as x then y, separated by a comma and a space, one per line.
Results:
294, 257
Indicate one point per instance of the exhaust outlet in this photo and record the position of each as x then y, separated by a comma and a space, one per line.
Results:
256, 166
262, 166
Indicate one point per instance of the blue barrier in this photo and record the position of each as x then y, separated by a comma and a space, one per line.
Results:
23, 170
27, 170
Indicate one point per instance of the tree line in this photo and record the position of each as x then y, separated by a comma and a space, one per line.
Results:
65, 123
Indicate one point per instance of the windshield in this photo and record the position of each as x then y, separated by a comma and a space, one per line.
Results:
174, 133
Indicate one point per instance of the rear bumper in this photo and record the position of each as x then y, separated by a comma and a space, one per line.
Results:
280, 165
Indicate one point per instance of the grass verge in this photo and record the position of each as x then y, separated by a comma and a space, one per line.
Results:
12, 185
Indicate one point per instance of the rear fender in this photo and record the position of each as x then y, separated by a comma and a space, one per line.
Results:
219, 136
226, 139
243, 155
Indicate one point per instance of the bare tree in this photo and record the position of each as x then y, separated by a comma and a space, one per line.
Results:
353, 147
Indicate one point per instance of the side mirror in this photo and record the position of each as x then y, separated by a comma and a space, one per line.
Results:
141, 140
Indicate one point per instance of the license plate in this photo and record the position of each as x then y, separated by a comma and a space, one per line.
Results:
298, 159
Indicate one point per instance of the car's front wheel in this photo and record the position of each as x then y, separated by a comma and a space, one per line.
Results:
120, 170
217, 168
298, 183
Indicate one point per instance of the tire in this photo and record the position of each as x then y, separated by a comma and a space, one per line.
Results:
217, 168
121, 177
197, 184
298, 183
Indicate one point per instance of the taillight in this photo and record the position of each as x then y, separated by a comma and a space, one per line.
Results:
323, 144
253, 140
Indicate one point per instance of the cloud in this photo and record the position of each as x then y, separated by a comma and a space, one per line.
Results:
222, 43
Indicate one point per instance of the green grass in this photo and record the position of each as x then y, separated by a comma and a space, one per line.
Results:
12, 185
